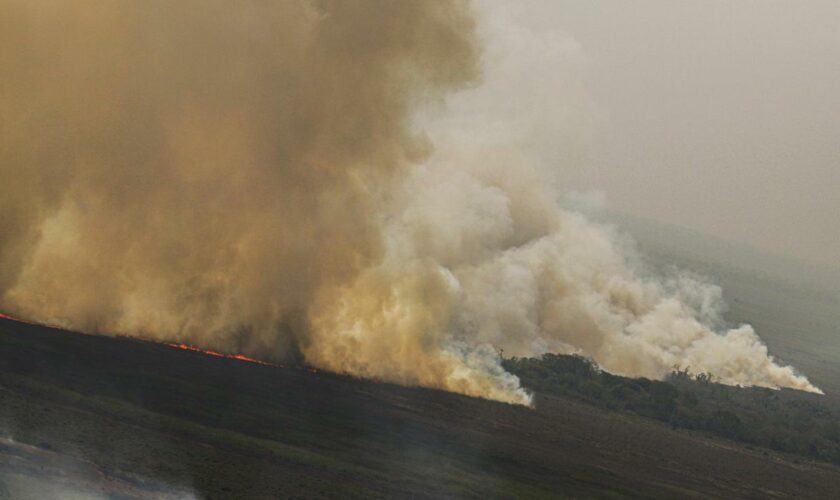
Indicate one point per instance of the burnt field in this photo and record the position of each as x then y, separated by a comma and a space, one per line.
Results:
116, 417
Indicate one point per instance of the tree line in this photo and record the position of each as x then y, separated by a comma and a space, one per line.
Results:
782, 420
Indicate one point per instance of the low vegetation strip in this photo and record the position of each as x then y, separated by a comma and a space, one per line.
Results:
782, 420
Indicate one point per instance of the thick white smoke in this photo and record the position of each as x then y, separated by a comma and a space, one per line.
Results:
481, 256
473, 266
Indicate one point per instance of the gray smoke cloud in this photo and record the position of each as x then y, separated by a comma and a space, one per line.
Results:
258, 179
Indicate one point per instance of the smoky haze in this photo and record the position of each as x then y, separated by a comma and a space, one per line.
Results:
257, 179
716, 115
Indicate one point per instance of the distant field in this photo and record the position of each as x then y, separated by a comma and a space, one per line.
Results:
119, 417
801, 328
794, 306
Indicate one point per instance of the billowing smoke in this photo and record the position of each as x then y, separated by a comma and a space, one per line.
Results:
253, 178
198, 170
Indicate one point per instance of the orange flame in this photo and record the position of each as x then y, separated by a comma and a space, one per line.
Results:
186, 347
11, 318
240, 357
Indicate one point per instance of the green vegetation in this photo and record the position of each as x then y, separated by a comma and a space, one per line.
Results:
782, 420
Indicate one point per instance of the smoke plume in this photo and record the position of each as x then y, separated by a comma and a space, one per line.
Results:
252, 178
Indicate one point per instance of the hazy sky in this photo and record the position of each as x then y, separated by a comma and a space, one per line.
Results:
722, 116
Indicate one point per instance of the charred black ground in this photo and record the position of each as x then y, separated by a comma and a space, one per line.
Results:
126, 417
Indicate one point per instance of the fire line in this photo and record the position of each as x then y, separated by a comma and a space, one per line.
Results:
240, 357
186, 347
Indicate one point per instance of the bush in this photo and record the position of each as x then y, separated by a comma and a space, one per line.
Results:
789, 421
